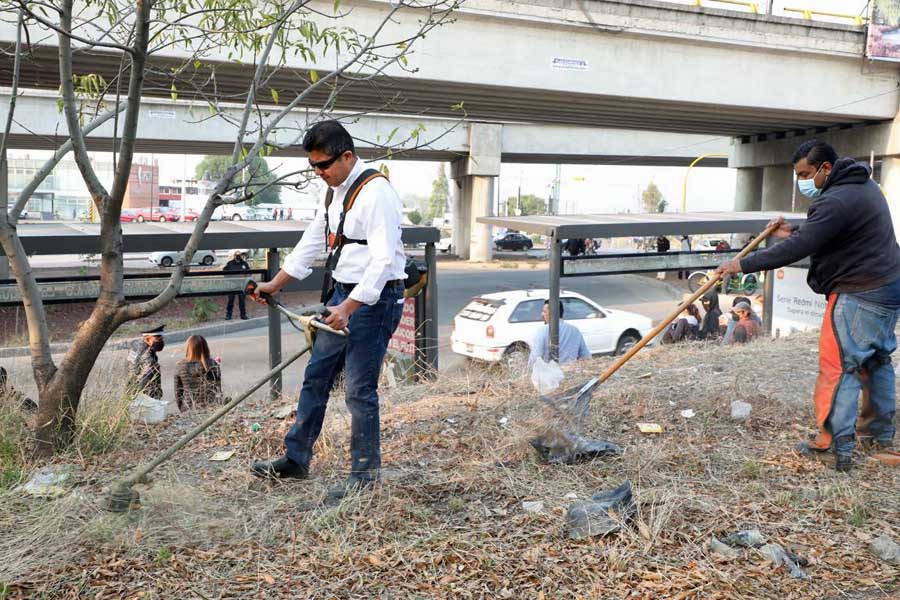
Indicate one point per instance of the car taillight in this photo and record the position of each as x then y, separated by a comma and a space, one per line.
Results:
490, 331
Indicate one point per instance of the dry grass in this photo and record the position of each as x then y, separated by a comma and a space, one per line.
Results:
447, 520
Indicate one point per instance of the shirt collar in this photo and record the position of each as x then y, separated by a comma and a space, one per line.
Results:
355, 172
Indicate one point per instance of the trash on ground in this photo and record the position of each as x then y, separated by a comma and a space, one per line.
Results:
750, 538
650, 427
546, 376
571, 496
568, 448
603, 514
724, 549
48, 482
740, 410
149, 410
503, 421
886, 549
533, 507
222, 455
285, 411
647, 375
688, 413
780, 556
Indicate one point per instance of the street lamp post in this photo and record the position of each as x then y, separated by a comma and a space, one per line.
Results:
686, 173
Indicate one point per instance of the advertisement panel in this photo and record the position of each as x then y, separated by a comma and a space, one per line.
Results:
883, 36
795, 307
404, 339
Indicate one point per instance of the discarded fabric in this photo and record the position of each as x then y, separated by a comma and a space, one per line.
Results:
603, 514
568, 448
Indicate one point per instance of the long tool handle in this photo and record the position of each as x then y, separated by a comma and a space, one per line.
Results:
674, 314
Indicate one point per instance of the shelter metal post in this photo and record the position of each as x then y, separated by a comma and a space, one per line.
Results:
431, 310
768, 298
272, 266
555, 270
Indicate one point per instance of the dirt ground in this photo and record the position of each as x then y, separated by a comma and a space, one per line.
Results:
447, 520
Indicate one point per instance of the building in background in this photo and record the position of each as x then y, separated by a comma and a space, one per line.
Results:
62, 195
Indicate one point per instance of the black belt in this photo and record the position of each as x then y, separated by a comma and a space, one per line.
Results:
349, 286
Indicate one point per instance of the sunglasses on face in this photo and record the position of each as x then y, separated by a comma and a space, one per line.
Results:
324, 165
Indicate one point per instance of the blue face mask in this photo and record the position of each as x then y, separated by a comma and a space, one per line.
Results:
808, 187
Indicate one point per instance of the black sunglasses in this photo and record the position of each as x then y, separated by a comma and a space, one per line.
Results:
324, 165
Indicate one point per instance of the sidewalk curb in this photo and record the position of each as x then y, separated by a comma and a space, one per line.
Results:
212, 330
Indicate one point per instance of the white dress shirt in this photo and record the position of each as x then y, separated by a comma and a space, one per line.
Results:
375, 216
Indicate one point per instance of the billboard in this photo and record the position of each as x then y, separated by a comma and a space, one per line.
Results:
883, 37
795, 307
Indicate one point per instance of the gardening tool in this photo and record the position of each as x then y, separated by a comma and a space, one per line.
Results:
308, 323
576, 399
122, 497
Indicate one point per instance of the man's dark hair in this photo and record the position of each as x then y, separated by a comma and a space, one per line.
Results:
328, 137
815, 153
561, 310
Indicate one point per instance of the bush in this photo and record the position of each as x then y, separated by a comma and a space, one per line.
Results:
13, 441
204, 309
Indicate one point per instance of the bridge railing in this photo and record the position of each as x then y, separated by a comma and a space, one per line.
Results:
809, 13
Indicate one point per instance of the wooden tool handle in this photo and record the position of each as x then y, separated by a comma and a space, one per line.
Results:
674, 314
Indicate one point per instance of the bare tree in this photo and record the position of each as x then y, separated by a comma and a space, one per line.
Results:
263, 34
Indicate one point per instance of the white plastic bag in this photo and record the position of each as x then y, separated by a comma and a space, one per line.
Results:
147, 409
546, 376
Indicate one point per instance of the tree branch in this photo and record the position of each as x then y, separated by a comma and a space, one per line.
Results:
15, 85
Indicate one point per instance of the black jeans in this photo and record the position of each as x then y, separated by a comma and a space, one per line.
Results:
359, 356
241, 304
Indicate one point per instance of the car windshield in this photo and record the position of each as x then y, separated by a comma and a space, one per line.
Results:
528, 311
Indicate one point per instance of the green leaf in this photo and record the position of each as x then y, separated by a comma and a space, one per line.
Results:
337, 4
385, 170
391, 135
458, 106
197, 64
60, 104
174, 93
274, 94
313, 75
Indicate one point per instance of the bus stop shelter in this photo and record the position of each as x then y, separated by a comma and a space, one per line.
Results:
558, 228
84, 238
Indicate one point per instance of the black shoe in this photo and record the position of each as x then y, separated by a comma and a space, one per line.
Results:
228, 317
280, 468
244, 317
882, 445
843, 463
347, 487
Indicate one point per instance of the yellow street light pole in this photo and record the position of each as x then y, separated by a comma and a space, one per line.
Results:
686, 173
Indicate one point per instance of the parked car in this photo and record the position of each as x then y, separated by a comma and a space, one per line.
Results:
514, 241
189, 215
709, 245
496, 326
167, 259
238, 212
445, 245
140, 215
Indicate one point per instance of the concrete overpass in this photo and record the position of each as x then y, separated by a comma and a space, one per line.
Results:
620, 64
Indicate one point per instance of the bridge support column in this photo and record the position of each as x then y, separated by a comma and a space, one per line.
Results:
748, 190
475, 176
777, 188
460, 209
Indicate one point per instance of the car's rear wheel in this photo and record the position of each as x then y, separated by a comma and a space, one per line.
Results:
627, 342
166, 261
516, 356
235, 217
140, 219
162, 219
208, 260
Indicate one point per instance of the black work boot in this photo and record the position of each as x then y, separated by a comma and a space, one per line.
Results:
844, 460
843, 463
280, 468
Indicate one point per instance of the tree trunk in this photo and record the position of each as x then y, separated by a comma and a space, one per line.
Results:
60, 397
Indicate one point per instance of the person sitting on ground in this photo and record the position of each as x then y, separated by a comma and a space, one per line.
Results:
144, 374
709, 327
198, 378
571, 343
733, 319
7, 391
746, 329
686, 327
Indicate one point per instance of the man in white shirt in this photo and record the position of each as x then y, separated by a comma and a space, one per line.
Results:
364, 240
571, 342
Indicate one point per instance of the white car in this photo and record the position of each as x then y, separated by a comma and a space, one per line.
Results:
167, 259
445, 245
494, 326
